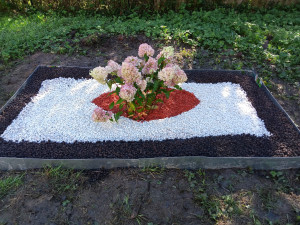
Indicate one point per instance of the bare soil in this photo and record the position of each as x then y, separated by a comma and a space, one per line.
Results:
154, 196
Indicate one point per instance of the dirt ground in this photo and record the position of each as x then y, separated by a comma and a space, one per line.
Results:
152, 196
148, 196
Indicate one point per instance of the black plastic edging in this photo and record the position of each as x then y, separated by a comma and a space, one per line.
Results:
185, 162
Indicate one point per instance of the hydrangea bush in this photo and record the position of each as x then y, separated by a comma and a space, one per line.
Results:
138, 82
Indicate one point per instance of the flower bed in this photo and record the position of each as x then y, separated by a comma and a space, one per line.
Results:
266, 131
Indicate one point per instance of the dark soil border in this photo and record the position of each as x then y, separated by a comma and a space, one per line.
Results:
284, 142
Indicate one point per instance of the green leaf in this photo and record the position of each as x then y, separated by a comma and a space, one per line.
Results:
119, 101
167, 94
146, 57
149, 101
139, 92
160, 60
117, 115
156, 85
109, 83
118, 90
132, 106
111, 105
159, 100
119, 80
151, 95
139, 100
111, 93
177, 87
121, 106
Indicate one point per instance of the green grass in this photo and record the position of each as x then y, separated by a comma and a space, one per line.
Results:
223, 31
10, 184
214, 206
63, 181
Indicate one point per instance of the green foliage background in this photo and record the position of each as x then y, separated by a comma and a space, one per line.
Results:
123, 6
222, 30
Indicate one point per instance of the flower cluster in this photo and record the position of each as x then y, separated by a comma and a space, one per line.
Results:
145, 49
127, 92
172, 75
151, 66
138, 81
100, 74
130, 73
101, 115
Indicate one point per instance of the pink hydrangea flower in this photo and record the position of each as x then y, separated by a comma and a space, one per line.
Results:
130, 73
127, 92
166, 74
172, 75
100, 115
142, 84
119, 72
145, 49
180, 76
170, 65
133, 60
100, 74
150, 67
112, 66
168, 54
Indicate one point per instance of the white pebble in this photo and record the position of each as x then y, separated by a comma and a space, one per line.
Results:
61, 112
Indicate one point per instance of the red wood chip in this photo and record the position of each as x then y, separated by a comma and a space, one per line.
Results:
179, 101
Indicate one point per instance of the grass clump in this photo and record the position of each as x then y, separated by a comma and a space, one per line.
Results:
268, 198
63, 180
215, 207
153, 170
10, 184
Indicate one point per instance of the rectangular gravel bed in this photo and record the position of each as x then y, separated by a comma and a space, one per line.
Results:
239, 120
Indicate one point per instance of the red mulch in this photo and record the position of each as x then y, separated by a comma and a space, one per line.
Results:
179, 101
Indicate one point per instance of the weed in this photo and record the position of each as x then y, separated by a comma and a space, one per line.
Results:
10, 184
153, 170
256, 221
63, 180
65, 202
267, 198
230, 206
214, 207
123, 212
187, 53
210, 204
281, 182
191, 178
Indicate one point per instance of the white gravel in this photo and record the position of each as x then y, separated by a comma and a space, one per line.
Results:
61, 112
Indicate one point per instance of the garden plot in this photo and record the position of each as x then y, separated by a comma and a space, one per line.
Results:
62, 109
51, 118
